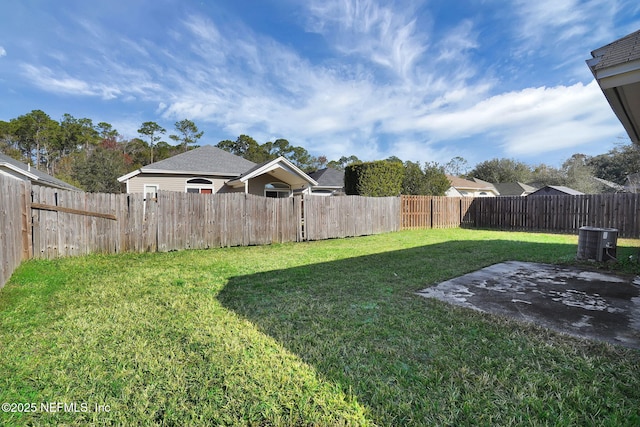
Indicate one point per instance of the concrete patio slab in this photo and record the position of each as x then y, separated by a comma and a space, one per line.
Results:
575, 301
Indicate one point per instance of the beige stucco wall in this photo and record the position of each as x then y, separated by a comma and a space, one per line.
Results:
256, 185
179, 183
169, 182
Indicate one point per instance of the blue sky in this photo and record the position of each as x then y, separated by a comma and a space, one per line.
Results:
421, 80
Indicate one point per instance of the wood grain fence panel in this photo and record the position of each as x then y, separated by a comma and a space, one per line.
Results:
13, 235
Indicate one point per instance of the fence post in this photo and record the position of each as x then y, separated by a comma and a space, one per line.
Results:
25, 205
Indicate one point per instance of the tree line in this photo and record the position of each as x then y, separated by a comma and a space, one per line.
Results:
92, 156
88, 155
589, 174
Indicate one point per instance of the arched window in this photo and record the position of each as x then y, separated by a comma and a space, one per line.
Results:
277, 190
199, 185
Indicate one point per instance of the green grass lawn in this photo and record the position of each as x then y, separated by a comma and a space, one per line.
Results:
319, 333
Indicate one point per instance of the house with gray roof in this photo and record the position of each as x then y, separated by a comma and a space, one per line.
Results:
330, 182
209, 169
18, 170
555, 190
616, 68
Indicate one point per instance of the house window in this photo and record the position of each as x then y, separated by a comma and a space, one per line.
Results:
199, 185
277, 190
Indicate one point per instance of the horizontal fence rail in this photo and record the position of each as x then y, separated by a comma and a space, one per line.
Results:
67, 223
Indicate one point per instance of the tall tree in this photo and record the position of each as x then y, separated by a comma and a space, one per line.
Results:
457, 166
246, 147
153, 131
37, 136
617, 164
9, 143
543, 174
136, 150
77, 133
414, 182
501, 170
99, 171
343, 162
188, 134
106, 131
580, 175
436, 180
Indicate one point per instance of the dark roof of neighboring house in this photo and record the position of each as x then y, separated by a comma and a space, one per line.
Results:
623, 50
557, 188
513, 188
41, 178
203, 159
328, 177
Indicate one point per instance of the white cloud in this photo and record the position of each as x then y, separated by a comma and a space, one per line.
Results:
3, 52
61, 83
233, 79
385, 35
531, 121
544, 24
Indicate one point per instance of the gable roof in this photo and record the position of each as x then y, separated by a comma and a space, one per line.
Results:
557, 188
616, 68
280, 168
466, 184
33, 175
328, 177
205, 160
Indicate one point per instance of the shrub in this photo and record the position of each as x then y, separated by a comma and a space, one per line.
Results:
375, 179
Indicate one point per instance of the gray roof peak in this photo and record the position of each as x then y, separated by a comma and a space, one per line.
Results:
203, 159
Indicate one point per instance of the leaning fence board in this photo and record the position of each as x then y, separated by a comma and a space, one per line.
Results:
13, 221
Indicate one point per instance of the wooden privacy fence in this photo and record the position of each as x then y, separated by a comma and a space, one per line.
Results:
14, 226
559, 214
331, 217
67, 223
435, 212
39, 222
42, 222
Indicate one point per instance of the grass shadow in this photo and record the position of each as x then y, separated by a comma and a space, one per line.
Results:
415, 361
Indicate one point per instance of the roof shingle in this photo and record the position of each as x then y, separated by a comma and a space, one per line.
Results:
203, 159
623, 50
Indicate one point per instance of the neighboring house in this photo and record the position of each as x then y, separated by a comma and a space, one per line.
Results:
330, 182
514, 189
209, 169
616, 68
461, 187
632, 184
508, 188
555, 190
18, 170
610, 187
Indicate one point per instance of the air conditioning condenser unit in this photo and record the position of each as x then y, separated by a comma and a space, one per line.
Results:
597, 244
